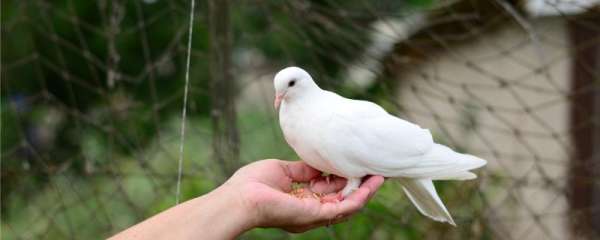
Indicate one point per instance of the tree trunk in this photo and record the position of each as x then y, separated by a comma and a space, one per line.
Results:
226, 140
584, 172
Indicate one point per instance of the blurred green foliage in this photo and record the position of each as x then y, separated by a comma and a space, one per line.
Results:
85, 157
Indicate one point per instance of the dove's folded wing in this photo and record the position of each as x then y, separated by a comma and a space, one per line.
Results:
393, 147
375, 139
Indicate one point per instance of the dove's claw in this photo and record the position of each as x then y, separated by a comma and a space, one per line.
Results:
340, 196
312, 183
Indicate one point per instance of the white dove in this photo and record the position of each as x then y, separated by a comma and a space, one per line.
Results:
353, 138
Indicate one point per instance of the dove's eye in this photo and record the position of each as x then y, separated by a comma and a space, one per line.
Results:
292, 83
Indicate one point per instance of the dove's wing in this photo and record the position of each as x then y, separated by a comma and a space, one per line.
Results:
390, 146
373, 125
372, 137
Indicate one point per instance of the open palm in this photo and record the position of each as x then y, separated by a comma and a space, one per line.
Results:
265, 186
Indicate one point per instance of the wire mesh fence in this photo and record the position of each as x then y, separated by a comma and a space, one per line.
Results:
92, 97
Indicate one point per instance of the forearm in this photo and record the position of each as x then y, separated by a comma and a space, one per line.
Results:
216, 215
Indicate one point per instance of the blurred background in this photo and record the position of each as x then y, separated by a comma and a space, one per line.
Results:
92, 99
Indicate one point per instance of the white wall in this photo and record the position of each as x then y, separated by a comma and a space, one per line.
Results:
470, 75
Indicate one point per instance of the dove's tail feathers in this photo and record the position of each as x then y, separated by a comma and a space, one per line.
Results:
423, 195
463, 164
465, 175
443, 163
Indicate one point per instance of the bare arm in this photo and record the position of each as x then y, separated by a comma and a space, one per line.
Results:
216, 215
256, 196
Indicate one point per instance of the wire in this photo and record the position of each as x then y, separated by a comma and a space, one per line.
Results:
185, 98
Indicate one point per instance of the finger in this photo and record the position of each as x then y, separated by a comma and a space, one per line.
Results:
351, 204
336, 220
326, 223
299, 171
373, 183
334, 185
298, 229
323, 223
331, 198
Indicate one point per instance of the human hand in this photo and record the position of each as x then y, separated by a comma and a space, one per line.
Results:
263, 190
257, 195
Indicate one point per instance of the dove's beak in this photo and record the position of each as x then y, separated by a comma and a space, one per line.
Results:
278, 99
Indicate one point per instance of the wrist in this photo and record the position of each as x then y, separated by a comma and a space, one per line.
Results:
228, 214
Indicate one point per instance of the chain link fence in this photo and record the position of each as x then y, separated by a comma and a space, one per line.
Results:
93, 91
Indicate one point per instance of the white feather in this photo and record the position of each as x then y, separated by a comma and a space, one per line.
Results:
352, 138
423, 195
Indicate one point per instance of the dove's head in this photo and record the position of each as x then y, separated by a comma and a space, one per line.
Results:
290, 83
